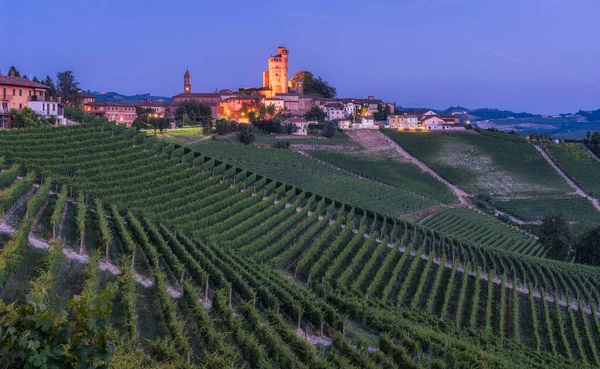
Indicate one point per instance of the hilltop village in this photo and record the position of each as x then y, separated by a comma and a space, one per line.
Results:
278, 96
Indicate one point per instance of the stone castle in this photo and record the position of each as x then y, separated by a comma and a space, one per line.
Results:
276, 77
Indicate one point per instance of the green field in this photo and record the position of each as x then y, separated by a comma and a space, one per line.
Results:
578, 164
576, 208
496, 164
297, 170
387, 167
483, 229
280, 260
186, 135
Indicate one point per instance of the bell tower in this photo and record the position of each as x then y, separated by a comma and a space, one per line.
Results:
187, 82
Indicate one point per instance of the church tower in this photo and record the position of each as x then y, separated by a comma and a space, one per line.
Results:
187, 82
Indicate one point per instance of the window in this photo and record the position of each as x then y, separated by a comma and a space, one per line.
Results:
20, 106
20, 92
43, 106
29, 92
14, 92
53, 107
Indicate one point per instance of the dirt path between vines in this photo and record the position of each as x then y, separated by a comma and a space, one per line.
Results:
373, 138
578, 190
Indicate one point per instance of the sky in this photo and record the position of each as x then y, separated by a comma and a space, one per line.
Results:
540, 56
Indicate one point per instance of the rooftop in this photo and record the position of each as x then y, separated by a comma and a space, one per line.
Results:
20, 82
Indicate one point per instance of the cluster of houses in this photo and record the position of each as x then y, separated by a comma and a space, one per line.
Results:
18, 93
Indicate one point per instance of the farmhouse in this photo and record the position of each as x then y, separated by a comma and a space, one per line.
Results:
441, 123
402, 121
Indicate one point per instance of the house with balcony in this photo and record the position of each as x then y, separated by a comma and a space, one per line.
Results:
15, 93
48, 106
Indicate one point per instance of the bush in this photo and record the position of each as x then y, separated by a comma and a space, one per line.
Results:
329, 130
283, 145
246, 136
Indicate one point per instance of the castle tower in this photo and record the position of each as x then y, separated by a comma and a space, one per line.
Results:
187, 82
276, 78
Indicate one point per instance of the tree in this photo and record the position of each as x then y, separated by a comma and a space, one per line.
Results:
195, 113
291, 128
315, 113
555, 235
12, 71
51, 87
36, 80
329, 129
313, 86
224, 126
144, 115
246, 136
269, 125
26, 118
68, 88
587, 250
382, 112
271, 110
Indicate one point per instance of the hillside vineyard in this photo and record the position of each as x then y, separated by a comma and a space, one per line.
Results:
277, 267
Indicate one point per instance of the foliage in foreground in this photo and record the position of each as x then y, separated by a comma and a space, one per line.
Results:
77, 335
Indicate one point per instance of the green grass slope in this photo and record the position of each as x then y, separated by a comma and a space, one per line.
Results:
484, 163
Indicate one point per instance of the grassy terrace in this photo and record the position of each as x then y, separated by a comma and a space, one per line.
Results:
462, 305
485, 163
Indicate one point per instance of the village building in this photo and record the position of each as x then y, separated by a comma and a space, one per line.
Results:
401, 122
277, 102
48, 106
15, 93
213, 100
84, 98
366, 122
238, 106
122, 113
343, 123
300, 123
437, 123
334, 111
160, 108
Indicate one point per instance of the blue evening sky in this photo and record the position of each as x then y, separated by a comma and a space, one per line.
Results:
536, 55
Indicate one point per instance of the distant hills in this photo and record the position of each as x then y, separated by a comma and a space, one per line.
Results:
117, 97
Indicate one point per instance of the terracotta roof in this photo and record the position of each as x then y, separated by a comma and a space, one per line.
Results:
22, 82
